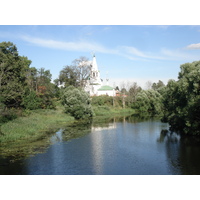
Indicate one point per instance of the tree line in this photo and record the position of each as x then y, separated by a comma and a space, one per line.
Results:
23, 87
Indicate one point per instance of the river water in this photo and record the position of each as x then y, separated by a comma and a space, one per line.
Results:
124, 146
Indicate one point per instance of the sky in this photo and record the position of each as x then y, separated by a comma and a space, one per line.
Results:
124, 53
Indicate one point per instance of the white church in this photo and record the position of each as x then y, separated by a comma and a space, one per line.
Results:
95, 86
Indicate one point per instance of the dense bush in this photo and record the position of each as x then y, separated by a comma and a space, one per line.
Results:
148, 101
31, 101
77, 102
7, 115
102, 100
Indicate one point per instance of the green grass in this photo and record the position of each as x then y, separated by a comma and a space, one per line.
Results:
30, 134
111, 111
34, 126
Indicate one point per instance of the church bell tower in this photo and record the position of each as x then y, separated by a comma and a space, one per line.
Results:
95, 74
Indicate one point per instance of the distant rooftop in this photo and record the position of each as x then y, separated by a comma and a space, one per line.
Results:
105, 87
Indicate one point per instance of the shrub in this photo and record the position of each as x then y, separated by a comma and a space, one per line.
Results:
31, 101
77, 102
102, 100
148, 101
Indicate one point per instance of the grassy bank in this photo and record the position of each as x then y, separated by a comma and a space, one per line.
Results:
29, 134
111, 111
34, 126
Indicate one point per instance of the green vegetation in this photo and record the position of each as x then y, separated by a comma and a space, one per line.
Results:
107, 106
28, 98
21, 86
182, 100
77, 103
34, 126
148, 102
74, 75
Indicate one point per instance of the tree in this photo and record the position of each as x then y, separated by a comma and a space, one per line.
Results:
182, 100
148, 102
13, 70
68, 76
39, 91
157, 86
76, 74
148, 85
133, 91
45, 89
31, 79
77, 102
83, 69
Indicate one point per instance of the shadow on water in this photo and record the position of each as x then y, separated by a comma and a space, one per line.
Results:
183, 152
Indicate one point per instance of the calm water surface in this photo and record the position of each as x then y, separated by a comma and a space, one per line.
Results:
126, 146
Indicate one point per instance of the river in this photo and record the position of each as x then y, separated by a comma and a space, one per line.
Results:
123, 146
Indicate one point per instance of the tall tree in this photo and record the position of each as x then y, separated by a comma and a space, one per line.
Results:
13, 70
68, 76
157, 86
76, 74
182, 100
83, 67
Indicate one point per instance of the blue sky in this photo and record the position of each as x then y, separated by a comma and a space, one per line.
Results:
134, 53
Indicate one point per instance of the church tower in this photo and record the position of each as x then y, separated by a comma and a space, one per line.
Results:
94, 82
94, 74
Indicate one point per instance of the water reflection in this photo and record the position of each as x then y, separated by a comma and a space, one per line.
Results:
121, 145
182, 152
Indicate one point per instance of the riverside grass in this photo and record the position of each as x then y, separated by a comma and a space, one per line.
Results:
33, 127
36, 125
111, 111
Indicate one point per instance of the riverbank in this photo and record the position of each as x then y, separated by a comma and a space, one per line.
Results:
110, 111
34, 126
38, 123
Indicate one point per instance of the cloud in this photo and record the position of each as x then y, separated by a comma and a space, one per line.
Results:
178, 54
139, 54
70, 46
193, 46
129, 52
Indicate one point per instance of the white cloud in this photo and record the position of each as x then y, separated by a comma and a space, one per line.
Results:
69, 46
178, 54
129, 52
193, 46
134, 51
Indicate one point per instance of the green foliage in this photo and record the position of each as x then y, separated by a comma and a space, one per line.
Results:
77, 102
7, 115
22, 86
157, 86
75, 74
32, 127
12, 74
148, 101
31, 101
68, 76
102, 100
182, 100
